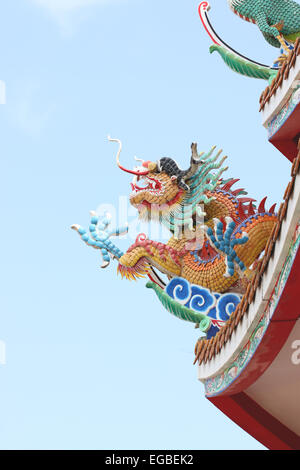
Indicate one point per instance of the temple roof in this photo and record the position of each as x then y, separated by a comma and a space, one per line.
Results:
205, 350
283, 74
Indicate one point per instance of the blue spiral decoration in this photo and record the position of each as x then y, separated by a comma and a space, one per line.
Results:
192, 296
226, 305
201, 299
214, 305
179, 289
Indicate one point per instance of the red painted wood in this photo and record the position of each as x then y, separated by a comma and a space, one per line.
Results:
257, 422
287, 136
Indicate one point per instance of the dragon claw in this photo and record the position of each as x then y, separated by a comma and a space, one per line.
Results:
105, 264
99, 235
225, 241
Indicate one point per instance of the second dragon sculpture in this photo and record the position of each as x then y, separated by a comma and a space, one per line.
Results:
277, 20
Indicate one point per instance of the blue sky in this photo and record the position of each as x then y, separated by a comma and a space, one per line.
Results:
93, 361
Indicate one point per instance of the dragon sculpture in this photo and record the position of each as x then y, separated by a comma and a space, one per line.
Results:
279, 22
217, 232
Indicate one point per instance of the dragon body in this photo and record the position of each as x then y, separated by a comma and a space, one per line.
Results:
217, 233
207, 265
273, 18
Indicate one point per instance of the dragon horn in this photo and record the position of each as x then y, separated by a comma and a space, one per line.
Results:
132, 172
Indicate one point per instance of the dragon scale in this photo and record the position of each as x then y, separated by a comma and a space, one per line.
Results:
273, 18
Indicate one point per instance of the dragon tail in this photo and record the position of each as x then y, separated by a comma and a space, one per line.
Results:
243, 66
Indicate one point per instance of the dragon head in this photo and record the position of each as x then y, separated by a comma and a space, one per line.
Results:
159, 191
163, 191
157, 187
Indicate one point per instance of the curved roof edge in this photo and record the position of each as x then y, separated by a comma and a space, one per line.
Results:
223, 358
